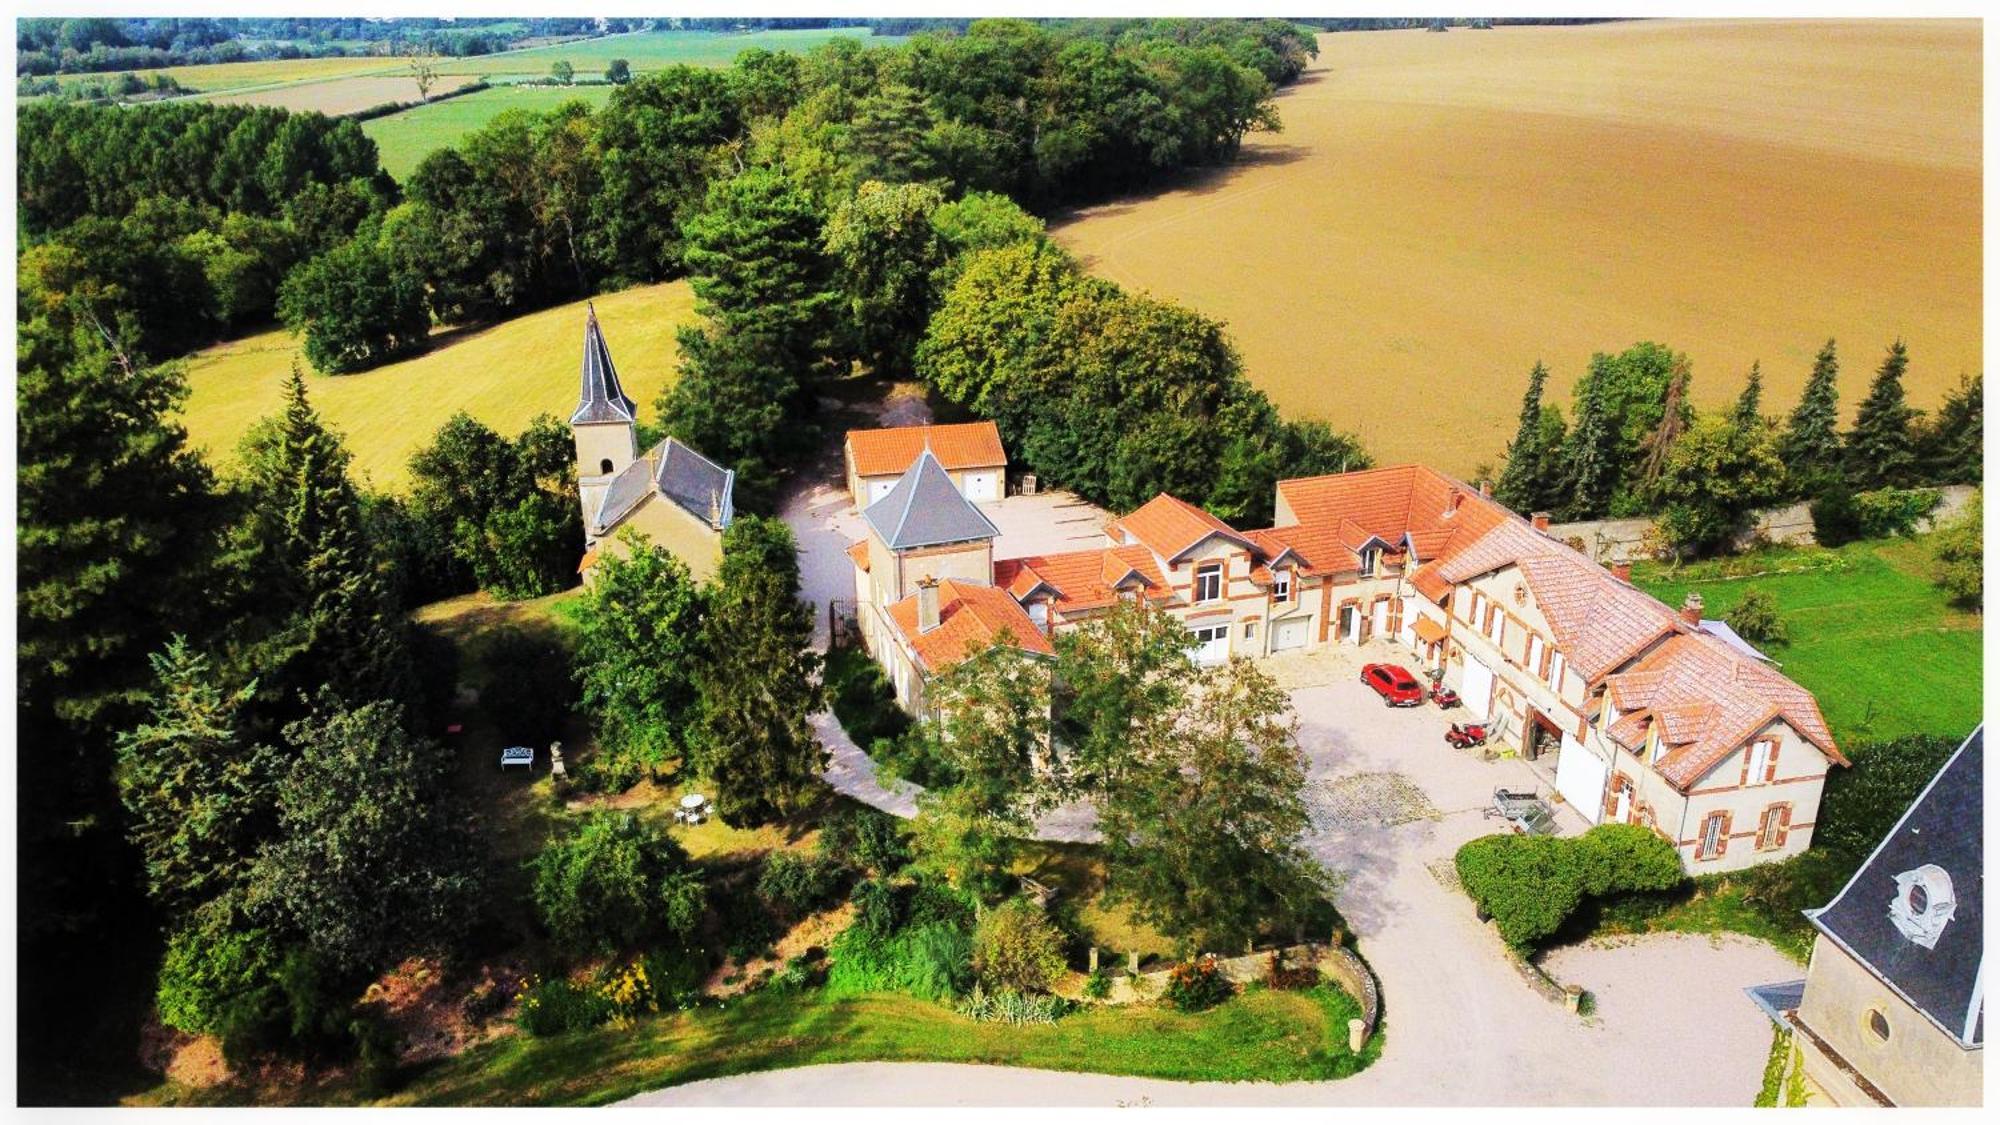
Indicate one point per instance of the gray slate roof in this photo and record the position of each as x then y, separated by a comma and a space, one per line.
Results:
603, 400
1942, 828
676, 472
925, 509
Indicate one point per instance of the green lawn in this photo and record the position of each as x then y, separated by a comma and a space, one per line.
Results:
403, 139
1258, 1036
1873, 639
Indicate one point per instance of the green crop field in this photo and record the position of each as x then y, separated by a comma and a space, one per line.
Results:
503, 375
214, 78
403, 139
652, 50
1874, 640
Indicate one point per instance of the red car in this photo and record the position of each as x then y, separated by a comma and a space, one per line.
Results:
1394, 684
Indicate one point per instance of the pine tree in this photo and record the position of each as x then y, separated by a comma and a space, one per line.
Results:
1881, 448
757, 686
193, 791
338, 627
758, 268
1674, 421
1750, 404
1516, 487
1590, 470
1810, 447
1953, 446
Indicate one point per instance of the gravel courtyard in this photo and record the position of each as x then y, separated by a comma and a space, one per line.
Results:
1391, 802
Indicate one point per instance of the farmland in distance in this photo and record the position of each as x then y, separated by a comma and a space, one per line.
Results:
1443, 210
404, 139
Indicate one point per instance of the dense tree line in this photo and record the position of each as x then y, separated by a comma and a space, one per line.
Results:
1634, 444
70, 46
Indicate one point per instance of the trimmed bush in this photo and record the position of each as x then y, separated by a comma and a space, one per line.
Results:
1016, 949
1529, 884
1096, 986
1614, 858
1755, 618
1197, 985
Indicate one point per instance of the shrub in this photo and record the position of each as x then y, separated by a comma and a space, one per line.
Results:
1281, 977
748, 925
614, 881
868, 837
1958, 549
208, 968
1862, 803
1836, 519
799, 884
797, 974
628, 993
932, 961
1015, 948
876, 906
378, 1049
1096, 986
1529, 884
1008, 1006
1755, 618
1613, 858
556, 1006
1197, 985
863, 699
1894, 511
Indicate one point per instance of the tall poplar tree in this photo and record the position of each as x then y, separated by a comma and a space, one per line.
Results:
1810, 447
757, 684
1881, 448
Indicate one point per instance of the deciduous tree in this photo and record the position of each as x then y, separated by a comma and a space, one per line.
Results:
639, 645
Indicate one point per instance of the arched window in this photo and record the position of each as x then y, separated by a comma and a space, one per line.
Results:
604, 466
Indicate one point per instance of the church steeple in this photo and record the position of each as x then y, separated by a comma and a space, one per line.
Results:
602, 399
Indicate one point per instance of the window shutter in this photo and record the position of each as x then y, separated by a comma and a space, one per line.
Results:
1770, 760
1784, 825
1722, 837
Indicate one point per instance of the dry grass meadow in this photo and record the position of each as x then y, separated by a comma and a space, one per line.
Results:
338, 96
1443, 210
503, 376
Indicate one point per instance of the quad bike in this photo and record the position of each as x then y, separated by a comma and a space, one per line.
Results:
1444, 697
1464, 736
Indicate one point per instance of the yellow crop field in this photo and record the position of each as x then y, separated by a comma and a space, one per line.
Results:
219, 77
345, 95
1441, 211
503, 376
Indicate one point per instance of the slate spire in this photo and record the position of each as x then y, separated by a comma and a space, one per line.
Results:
602, 399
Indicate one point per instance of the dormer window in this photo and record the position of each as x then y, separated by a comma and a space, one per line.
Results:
1656, 749
1208, 583
1369, 556
1281, 586
1923, 904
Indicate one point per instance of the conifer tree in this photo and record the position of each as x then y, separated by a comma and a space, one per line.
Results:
1810, 447
1590, 470
339, 628
1881, 448
757, 686
193, 792
1516, 487
1953, 447
1750, 404
1674, 421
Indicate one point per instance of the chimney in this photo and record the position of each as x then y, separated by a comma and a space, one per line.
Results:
1540, 520
1486, 489
715, 509
927, 604
1691, 610
1622, 570
1451, 503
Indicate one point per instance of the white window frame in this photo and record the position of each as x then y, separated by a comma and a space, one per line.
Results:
1370, 556
1763, 762
1281, 586
1709, 846
1534, 654
1208, 572
1250, 630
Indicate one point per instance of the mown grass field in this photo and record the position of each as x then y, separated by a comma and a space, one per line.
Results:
503, 376
1441, 211
1874, 640
403, 139
1258, 1036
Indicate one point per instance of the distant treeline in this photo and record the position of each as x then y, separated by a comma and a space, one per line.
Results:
1441, 23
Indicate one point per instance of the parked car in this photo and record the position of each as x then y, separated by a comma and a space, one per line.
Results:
1394, 683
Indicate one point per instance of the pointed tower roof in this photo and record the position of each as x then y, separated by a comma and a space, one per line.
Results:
603, 400
925, 509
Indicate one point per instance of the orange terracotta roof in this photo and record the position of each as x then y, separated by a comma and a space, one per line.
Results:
891, 452
858, 551
1085, 580
1430, 583
1428, 630
1709, 700
1169, 527
589, 560
969, 617
1391, 503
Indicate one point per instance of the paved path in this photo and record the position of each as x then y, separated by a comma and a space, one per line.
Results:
1391, 803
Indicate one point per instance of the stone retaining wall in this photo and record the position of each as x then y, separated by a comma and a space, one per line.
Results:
1623, 540
1346, 969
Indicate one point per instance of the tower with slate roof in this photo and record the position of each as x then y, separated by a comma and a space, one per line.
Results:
605, 425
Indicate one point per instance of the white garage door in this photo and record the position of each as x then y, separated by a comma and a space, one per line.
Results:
1580, 778
1290, 634
1211, 644
1477, 689
981, 487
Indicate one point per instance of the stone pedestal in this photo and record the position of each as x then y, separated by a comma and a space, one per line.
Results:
1357, 1035
1132, 962
1573, 998
1093, 958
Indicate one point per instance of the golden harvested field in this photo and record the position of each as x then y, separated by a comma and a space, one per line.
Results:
346, 95
219, 77
503, 376
1443, 210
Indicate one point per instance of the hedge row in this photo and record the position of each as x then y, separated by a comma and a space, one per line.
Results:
1531, 884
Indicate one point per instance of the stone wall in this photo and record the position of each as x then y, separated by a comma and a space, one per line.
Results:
1346, 969
1623, 540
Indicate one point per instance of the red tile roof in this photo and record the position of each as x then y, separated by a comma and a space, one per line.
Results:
1083, 580
891, 452
1708, 701
858, 551
969, 617
1169, 526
